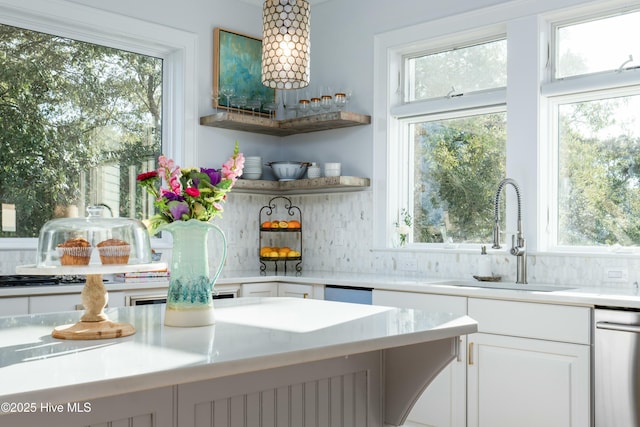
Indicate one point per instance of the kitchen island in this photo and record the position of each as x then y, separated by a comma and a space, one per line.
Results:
266, 361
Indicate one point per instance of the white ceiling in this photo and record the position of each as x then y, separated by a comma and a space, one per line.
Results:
260, 2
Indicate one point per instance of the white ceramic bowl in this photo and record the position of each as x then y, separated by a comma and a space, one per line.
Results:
288, 171
254, 175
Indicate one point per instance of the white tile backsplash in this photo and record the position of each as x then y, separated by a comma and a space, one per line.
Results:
350, 249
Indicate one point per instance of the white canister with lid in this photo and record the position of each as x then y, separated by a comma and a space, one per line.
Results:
332, 169
313, 171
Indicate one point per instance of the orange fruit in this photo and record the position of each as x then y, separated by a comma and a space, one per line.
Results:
266, 224
264, 251
294, 224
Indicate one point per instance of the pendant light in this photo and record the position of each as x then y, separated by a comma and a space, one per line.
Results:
285, 44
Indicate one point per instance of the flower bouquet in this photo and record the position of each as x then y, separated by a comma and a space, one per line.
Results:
403, 226
189, 193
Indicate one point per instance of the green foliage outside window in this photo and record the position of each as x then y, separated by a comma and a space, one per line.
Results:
458, 165
67, 108
599, 173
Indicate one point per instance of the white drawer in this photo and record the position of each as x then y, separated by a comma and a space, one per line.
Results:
532, 320
431, 302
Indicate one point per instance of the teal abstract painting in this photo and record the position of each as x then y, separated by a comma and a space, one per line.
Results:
237, 81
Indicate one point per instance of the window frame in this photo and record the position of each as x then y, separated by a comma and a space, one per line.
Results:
551, 168
484, 37
557, 91
177, 48
441, 108
406, 180
530, 88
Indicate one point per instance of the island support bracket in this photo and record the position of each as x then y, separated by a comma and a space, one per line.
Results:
408, 370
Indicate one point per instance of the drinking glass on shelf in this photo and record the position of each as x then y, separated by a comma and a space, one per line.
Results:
254, 105
289, 102
303, 106
215, 99
348, 93
314, 104
270, 108
242, 103
340, 99
326, 102
228, 92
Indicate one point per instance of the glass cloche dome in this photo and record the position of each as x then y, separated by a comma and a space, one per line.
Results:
97, 239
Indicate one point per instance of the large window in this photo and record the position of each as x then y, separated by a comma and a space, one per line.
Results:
596, 120
570, 88
453, 140
78, 122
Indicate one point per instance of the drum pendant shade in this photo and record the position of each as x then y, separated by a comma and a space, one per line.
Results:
285, 44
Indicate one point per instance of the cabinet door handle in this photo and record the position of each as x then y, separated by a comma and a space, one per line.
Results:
305, 295
470, 354
458, 345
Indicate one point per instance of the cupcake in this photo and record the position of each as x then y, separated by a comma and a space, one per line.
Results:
114, 251
75, 251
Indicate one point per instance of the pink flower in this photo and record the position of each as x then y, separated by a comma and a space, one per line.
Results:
193, 192
232, 168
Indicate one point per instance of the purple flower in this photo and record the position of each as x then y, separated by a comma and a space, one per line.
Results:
172, 197
178, 209
214, 175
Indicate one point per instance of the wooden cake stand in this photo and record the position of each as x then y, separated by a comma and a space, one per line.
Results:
94, 323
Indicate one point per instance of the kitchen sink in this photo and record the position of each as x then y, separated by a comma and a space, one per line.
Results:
506, 285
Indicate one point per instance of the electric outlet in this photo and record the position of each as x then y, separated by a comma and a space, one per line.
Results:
338, 236
408, 264
616, 275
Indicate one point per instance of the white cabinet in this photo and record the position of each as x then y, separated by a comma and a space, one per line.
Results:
14, 306
295, 290
523, 382
275, 289
529, 365
67, 302
443, 403
259, 289
52, 303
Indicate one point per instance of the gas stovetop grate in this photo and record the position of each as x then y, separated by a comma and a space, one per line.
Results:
28, 280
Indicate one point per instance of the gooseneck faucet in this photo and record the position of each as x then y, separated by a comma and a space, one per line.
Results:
518, 244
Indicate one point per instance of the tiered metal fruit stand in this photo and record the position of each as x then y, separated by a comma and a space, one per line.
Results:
283, 213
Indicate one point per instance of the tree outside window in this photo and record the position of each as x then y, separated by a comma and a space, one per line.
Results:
77, 123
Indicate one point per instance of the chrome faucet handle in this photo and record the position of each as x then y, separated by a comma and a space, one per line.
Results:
519, 248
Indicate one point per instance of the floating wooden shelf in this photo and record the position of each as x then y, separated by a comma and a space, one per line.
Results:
301, 186
248, 123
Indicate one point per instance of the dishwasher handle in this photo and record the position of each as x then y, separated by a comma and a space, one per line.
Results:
618, 327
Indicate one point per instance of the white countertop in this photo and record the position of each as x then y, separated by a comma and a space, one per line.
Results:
628, 297
250, 334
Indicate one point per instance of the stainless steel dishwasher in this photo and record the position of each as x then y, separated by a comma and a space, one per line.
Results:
617, 367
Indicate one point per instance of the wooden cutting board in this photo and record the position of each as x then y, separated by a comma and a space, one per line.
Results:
93, 330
